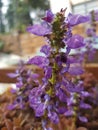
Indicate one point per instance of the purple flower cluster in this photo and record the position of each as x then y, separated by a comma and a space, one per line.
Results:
89, 49
91, 41
56, 94
26, 81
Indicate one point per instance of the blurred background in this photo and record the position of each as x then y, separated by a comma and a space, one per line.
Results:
17, 15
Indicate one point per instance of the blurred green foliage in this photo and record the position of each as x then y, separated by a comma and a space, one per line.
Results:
2, 28
1, 45
18, 13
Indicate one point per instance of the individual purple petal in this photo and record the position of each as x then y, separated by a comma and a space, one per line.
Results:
61, 110
83, 119
13, 90
44, 124
85, 105
69, 86
40, 30
66, 68
48, 72
79, 86
19, 84
35, 76
49, 128
77, 19
69, 113
70, 101
46, 50
68, 49
39, 61
11, 106
76, 41
76, 70
49, 16
72, 59
53, 117
61, 95
13, 75
86, 94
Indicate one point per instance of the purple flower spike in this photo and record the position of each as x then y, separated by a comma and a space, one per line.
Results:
39, 61
49, 16
40, 30
77, 19
76, 41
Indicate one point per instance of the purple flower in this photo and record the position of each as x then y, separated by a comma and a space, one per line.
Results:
69, 113
37, 100
61, 95
53, 117
76, 41
37, 105
40, 30
69, 85
61, 110
66, 68
91, 54
34, 76
39, 110
76, 70
46, 50
86, 94
48, 72
85, 105
13, 75
90, 32
68, 50
49, 16
11, 106
19, 84
83, 119
13, 90
77, 19
72, 59
80, 87
40, 61
44, 124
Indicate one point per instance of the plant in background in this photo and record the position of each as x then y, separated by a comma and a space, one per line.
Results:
88, 51
58, 93
92, 36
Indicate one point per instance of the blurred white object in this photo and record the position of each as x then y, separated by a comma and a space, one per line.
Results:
4, 87
57, 5
7, 60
